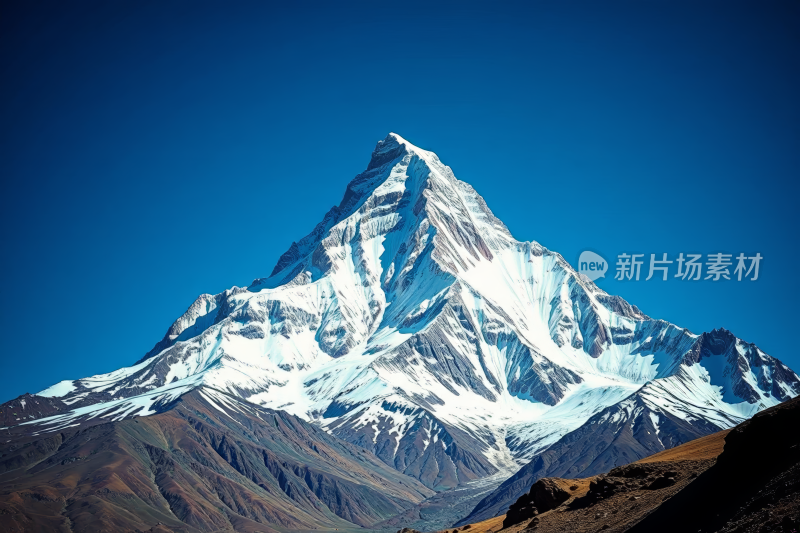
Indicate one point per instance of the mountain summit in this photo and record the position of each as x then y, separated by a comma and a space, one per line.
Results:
410, 322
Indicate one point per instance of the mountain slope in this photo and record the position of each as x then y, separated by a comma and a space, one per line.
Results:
208, 463
411, 322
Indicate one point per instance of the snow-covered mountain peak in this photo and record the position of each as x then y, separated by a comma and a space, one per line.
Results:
411, 322
408, 191
394, 146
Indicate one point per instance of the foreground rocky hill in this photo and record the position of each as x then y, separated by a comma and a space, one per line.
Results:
753, 487
746, 480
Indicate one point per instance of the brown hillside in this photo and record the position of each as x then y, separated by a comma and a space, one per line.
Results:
708, 447
195, 468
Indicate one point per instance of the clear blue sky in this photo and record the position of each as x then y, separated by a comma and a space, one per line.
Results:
154, 151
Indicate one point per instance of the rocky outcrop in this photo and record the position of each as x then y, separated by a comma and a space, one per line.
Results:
545, 494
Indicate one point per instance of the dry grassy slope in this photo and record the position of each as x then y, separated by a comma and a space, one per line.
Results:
708, 447
194, 469
492, 525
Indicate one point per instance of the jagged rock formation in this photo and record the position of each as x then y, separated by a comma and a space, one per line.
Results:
545, 494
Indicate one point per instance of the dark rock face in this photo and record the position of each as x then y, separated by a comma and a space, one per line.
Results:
753, 487
722, 343
544, 495
29, 407
437, 467
521, 510
533, 376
